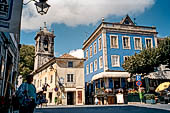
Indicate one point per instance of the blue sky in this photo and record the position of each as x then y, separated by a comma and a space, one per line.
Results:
74, 21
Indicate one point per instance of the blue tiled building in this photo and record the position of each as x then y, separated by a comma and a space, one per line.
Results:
106, 50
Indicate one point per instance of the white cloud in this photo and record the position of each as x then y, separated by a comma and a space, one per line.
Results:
77, 53
76, 12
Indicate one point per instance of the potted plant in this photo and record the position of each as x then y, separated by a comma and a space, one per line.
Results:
150, 98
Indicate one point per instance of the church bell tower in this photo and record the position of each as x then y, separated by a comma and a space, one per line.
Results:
44, 48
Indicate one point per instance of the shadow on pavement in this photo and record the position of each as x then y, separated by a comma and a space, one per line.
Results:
101, 109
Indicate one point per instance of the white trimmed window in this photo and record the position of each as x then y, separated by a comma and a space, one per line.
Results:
95, 47
87, 69
100, 43
115, 60
51, 80
90, 51
137, 43
126, 42
87, 54
69, 77
95, 65
91, 67
148, 42
100, 62
35, 82
114, 41
38, 83
45, 80
70, 64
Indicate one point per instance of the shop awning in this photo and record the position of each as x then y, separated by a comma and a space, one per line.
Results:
111, 75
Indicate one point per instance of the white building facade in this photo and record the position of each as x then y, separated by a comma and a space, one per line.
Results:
65, 78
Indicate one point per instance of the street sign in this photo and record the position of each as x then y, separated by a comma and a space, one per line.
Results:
139, 83
138, 77
56, 89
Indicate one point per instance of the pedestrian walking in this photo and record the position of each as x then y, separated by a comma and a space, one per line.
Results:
96, 101
27, 96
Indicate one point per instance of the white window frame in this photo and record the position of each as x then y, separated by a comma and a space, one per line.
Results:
95, 65
51, 79
101, 62
69, 80
95, 47
128, 42
140, 43
38, 83
118, 63
100, 43
91, 52
68, 65
34, 82
151, 42
45, 80
87, 69
87, 54
91, 67
117, 43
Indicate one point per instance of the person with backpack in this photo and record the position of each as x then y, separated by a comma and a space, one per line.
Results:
26, 94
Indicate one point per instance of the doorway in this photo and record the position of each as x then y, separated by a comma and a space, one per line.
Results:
50, 97
70, 98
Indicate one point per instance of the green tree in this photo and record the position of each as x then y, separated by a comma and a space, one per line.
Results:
142, 63
164, 51
26, 64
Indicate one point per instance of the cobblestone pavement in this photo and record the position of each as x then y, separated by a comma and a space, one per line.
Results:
138, 108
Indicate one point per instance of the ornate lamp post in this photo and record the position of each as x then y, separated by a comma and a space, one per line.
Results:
41, 6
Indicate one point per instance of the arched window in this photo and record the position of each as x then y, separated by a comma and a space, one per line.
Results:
45, 44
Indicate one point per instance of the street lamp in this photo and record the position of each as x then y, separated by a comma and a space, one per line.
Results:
41, 6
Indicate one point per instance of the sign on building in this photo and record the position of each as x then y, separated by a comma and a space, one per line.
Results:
10, 15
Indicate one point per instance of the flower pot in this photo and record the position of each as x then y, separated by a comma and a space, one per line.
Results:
151, 101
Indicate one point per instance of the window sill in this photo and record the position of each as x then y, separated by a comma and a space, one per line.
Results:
115, 65
114, 47
126, 48
138, 48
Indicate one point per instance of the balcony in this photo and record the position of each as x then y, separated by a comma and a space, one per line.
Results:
70, 85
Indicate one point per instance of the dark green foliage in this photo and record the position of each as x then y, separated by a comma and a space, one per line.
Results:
26, 64
164, 50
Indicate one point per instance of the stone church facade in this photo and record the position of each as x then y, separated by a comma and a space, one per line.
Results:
62, 77
44, 48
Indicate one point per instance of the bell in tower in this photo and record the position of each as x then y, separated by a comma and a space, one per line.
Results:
44, 49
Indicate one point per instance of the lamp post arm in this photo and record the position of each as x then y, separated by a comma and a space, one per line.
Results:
29, 2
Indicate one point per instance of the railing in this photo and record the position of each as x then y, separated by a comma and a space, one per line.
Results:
70, 84
138, 28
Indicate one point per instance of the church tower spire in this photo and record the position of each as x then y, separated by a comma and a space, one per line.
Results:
44, 48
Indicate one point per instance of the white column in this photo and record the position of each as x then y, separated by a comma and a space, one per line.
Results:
104, 45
